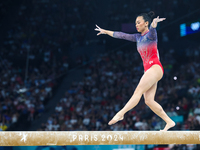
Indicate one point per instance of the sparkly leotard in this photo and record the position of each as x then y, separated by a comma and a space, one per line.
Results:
146, 46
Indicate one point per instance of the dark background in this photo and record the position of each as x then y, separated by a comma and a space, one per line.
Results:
56, 74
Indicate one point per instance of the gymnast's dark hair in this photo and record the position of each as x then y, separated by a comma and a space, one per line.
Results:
147, 17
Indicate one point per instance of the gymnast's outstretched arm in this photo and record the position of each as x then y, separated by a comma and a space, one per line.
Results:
152, 31
119, 35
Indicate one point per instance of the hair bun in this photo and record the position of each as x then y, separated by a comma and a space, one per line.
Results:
151, 14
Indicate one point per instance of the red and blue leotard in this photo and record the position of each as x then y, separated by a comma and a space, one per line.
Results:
146, 46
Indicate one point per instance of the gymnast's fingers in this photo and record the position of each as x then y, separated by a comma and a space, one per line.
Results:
97, 26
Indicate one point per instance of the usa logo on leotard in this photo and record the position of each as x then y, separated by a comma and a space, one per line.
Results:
150, 62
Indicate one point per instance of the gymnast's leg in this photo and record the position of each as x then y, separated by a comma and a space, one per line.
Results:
150, 77
149, 96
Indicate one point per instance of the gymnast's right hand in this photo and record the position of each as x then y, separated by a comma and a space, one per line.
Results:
101, 31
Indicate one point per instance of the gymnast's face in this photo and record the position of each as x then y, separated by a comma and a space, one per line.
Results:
141, 25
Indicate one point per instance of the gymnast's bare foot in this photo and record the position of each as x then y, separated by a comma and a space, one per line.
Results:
168, 126
116, 118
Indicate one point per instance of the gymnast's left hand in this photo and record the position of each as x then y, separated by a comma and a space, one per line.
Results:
156, 20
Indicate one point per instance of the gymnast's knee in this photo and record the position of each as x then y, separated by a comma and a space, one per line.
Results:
137, 93
148, 102
152, 105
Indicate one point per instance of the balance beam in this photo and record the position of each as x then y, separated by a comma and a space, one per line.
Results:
41, 138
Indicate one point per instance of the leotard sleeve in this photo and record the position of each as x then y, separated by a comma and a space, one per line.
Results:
125, 36
152, 35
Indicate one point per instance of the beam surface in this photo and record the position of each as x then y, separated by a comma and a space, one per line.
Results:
39, 138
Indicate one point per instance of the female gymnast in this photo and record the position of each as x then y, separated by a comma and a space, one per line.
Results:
153, 70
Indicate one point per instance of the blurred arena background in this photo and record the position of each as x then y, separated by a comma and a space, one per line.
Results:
57, 75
